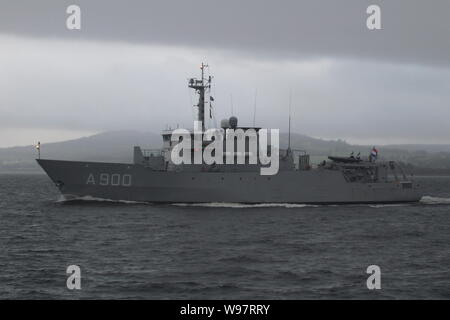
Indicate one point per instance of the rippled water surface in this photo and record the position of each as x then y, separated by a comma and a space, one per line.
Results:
234, 251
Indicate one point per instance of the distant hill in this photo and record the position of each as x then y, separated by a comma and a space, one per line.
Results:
420, 156
430, 148
117, 146
114, 146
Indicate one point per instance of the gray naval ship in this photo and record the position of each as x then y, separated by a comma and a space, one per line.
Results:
154, 177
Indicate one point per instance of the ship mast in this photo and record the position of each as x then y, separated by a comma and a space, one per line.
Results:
201, 85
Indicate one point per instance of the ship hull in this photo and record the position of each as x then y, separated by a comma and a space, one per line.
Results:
130, 182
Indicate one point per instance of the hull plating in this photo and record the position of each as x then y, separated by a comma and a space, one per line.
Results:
129, 182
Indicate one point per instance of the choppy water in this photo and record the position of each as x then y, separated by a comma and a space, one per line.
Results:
220, 250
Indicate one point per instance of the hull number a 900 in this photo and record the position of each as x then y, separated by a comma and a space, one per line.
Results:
110, 179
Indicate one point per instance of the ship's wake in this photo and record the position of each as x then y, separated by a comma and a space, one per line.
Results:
74, 199
434, 200
426, 200
389, 205
244, 205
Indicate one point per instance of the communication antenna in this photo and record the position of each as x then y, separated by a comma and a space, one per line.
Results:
289, 130
231, 101
254, 108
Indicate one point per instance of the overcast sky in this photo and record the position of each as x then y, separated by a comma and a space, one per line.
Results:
127, 68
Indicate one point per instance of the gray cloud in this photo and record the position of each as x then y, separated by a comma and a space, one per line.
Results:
93, 87
414, 31
128, 67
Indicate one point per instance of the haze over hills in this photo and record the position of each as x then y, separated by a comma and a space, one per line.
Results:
117, 146
113, 146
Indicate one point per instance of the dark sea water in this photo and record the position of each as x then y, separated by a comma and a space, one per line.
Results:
215, 251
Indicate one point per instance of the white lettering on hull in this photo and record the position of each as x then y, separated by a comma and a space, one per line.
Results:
107, 179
